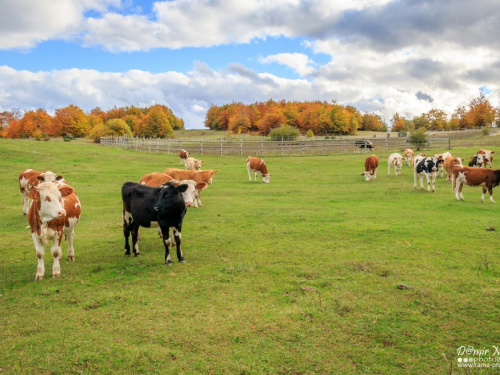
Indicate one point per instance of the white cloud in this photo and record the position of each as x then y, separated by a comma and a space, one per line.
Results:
297, 61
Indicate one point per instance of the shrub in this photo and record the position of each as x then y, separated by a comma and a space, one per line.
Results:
118, 127
418, 138
99, 131
309, 134
485, 131
284, 132
37, 134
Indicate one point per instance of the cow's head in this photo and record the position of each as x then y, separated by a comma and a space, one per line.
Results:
480, 159
266, 178
48, 200
432, 164
49, 177
368, 176
191, 192
170, 197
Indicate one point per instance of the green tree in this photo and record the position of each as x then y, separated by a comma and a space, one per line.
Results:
418, 138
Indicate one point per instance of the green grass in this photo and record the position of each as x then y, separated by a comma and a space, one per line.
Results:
298, 276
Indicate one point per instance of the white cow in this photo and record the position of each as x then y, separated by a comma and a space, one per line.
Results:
408, 156
397, 161
193, 164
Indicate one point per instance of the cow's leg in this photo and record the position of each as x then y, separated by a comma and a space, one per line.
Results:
388, 169
134, 230
433, 181
40, 251
71, 250
375, 173
178, 237
56, 254
126, 232
255, 176
167, 242
461, 185
198, 198
249, 173
421, 178
490, 190
414, 179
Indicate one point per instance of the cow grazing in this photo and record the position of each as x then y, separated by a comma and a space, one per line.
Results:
425, 166
257, 165
367, 145
146, 206
448, 165
476, 161
193, 164
395, 160
408, 154
29, 179
487, 178
371, 166
54, 211
183, 154
488, 157
191, 195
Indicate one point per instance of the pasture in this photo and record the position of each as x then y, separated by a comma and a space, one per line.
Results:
298, 276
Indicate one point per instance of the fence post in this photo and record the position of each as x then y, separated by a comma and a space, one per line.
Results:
303, 147
282, 145
324, 146
343, 146
201, 146
386, 144
241, 147
262, 147
449, 144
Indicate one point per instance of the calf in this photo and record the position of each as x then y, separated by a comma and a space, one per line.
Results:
371, 166
425, 166
193, 164
146, 206
487, 178
54, 211
183, 154
367, 145
488, 157
476, 161
448, 165
29, 179
257, 165
408, 154
397, 161
191, 195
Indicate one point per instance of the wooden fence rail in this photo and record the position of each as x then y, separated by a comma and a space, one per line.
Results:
264, 147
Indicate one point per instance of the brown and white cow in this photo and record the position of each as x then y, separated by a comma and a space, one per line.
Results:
256, 165
29, 179
197, 176
408, 155
486, 178
428, 167
193, 164
183, 154
54, 211
448, 165
395, 160
441, 157
488, 157
371, 166
191, 195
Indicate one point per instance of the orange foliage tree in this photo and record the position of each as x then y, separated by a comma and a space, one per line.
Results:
154, 124
70, 120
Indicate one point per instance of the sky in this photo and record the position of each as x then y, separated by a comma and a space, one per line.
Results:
380, 56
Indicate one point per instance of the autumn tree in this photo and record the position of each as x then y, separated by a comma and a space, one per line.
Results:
70, 120
398, 123
154, 124
239, 122
481, 112
274, 118
373, 122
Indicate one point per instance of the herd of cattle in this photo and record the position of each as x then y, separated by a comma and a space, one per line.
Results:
159, 199
430, 167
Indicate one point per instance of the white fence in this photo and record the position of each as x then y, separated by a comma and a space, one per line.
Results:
263, 147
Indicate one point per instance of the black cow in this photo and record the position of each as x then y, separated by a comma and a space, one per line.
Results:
427, 166
147, 206
367, 145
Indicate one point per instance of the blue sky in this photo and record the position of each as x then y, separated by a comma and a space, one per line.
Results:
380, 56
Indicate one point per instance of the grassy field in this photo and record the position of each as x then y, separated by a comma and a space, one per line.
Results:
298, 276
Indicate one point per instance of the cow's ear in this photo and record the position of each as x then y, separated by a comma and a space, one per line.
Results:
182, 188
214, 172
66, 190
362, 174
201, 185
492, 152
59, 177
202, 161
41, 178
33, 194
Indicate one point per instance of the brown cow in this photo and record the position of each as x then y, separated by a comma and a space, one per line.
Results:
487, 178
191, 195
55, 211
371, 166
257, 165
29, 179
488, 157
197, 176
408, 155
183, 154
448, 165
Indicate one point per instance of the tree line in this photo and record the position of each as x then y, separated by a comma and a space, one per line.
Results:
157, 121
